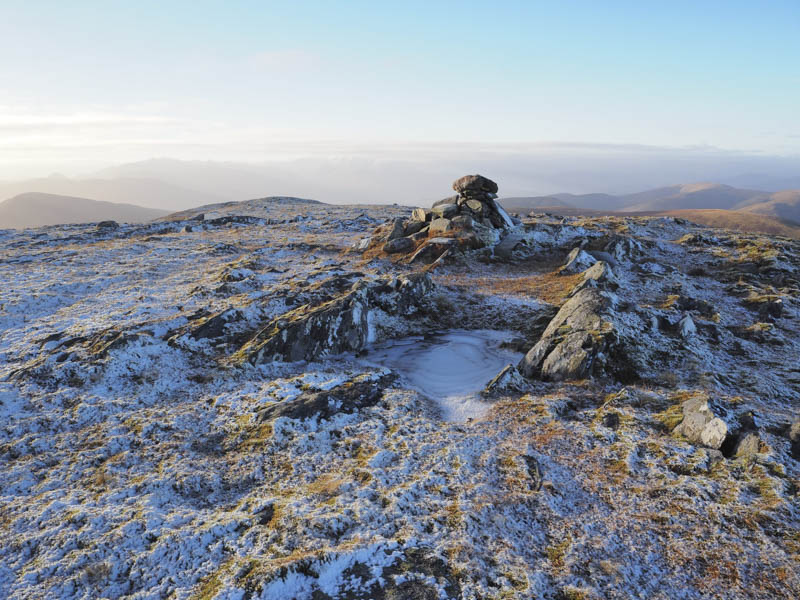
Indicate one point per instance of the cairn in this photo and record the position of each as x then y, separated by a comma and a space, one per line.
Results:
463, 221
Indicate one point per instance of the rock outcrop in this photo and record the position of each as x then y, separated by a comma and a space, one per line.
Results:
346, 323
584, 337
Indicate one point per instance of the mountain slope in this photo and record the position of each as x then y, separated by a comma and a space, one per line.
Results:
35, 209
690, 196
781, 205
140, 191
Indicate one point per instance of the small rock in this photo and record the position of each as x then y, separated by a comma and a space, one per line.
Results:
508, 379
747, 445
108, 225
794, 438
687, 327
397, 245
701, 425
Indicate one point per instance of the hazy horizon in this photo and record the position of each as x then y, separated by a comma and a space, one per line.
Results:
464, 87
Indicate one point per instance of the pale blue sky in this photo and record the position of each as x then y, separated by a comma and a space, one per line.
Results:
85, 83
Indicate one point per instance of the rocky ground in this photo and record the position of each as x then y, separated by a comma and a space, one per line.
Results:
185, 412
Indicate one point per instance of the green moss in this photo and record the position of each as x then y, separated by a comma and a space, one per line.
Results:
558, 552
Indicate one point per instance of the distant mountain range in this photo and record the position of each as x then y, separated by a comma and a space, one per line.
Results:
35, 209
783, 206
712, 204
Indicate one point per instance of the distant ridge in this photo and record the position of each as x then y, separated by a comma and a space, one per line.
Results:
138, 191
36, 209
244, 207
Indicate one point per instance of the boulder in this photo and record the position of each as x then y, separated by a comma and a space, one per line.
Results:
575, 337
440, 226
108, 225
397, 245
475, 183
444, 211
420, 214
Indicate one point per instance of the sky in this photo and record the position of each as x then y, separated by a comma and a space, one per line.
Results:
87, 84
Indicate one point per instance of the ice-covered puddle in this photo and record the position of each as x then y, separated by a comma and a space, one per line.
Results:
450, 367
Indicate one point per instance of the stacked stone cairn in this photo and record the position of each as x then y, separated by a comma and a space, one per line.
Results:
463, 221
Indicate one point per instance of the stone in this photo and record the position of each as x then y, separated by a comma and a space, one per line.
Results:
748, 444
420, 214
577, 262
398, 245
108, 225
448, 200
686, 327
440, 226
420, 235
477, 183
413, 226
507, 380
507, 220
506, 246
462, 222
444, 211
701, 424
432, 250
794, 439
397, 230
475, 206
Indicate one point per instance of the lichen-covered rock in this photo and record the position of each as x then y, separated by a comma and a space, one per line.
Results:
347, 323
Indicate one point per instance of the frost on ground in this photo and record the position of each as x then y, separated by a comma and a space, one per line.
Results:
148, 451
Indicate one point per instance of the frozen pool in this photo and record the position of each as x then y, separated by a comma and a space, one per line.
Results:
450, 367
